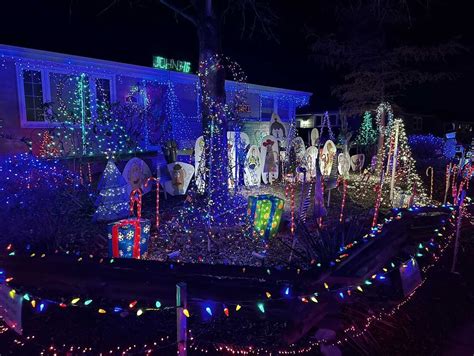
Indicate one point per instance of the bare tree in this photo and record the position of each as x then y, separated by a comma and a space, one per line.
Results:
208, 17
375, 54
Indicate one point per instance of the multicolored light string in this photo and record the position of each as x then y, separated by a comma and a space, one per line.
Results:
157, 211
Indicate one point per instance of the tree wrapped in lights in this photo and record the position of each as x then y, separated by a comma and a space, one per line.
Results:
367, 135
217, 112
384, 121
401, 163
113, 201
83, 133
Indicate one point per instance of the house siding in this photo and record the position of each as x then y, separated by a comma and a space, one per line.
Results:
123, 77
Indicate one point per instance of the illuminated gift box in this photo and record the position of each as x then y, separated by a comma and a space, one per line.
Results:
266, 211
128, 238
402, 199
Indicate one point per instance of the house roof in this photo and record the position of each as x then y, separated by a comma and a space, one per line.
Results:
86, 63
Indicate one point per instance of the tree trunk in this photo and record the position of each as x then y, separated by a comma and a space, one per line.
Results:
380, 144
213, 99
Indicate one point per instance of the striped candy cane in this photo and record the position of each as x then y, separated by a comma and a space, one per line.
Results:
136, 197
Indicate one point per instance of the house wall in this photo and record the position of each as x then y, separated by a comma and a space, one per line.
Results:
183, 118
11, 132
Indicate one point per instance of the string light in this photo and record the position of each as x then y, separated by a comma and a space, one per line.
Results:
340, 293
367, 135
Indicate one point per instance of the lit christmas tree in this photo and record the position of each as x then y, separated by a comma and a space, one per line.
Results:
113, 201
398, 152
48, 147
367, 135
87, 131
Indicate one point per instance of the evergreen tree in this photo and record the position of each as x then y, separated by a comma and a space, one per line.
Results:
113, 201
406, 177
367, 135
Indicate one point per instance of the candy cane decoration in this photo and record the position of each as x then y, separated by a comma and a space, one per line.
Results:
136, 197
157, 212
378, 200
292, 199
344, 194
322, 200
378, 190
454, 191
458, 197
430, 169
469, 176
446, 189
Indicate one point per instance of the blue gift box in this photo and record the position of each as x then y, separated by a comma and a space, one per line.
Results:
128, 238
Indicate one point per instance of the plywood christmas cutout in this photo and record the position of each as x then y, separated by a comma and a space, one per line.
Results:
311, 157
269, 154
326, 160
199, 164
252, 167
181, 174
135, 173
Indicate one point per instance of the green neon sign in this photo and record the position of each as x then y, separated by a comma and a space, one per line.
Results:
171, 64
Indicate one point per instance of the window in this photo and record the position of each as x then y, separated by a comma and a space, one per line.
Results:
51, 96
70, 97
32, 86
418, 124
267, 108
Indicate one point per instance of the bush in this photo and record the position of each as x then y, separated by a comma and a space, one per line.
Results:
426, 146
44, 205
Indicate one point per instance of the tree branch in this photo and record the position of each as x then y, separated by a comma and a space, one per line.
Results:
188, 17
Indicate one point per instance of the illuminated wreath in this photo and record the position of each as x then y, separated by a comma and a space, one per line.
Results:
384, 107
238, 90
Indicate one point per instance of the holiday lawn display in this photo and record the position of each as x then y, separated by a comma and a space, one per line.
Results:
269, 155
326, 159
200, 164
298, 145
367, 135
112, 202
357, 162
237, 143
181, 174
128, 238
265, 211
402, 199
314, 137
278, 129
311, 157
252, 167
343, 164
136, 172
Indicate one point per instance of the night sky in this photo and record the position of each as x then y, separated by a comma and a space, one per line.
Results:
132, 34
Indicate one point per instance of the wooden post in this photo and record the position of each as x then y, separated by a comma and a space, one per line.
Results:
394, 162
181, 320
458, 230
448, 176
